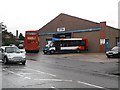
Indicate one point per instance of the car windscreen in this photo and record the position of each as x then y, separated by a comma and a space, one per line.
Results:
12, 50
115, 48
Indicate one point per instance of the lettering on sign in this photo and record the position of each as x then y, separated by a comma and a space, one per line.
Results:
31, 38
61, 29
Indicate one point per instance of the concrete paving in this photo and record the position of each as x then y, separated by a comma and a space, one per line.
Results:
81, 70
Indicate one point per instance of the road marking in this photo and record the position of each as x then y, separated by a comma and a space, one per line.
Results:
26, 73
11, 72
53, 87
27, 78
90, 84
42, 72
3, 69
0, 60
59, 80
18, 74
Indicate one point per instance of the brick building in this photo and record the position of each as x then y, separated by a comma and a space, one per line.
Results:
100, 36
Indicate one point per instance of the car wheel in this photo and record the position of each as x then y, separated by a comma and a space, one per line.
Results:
5, 61
45, 52
119, 55
108, 56
23, 63
78, 51
48, 52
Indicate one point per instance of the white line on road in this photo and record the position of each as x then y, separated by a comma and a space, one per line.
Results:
18, 74
27, 77
90, 84
52, 87
11, 72
59, 80
42, 72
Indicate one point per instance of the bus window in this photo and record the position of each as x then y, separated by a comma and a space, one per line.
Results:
82, 43
31, 33
76, 44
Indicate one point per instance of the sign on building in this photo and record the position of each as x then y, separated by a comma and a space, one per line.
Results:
61, 29
102, 41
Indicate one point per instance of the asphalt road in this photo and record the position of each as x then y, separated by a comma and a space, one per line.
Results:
62, 71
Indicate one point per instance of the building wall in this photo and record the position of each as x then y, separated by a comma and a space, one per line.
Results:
93, 40
73, 23
43, 40
69, 22
111, 34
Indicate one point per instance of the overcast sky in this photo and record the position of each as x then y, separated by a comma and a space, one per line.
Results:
33, 14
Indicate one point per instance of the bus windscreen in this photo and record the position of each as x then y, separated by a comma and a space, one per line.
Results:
31, 33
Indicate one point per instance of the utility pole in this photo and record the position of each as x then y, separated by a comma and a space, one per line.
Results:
1, 33
2, 28
1, 23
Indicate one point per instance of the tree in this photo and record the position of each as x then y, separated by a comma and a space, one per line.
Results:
21, 37
7, 37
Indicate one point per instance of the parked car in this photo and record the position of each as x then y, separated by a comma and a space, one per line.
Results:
0, 55
12, 45
20, 46
12, 54
114, 52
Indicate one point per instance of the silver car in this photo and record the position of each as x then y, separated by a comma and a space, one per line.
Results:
114, 52
12, 54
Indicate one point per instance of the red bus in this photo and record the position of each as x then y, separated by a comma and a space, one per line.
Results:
31, 41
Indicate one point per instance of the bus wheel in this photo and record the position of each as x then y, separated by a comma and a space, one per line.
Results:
78, 51
52, 52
